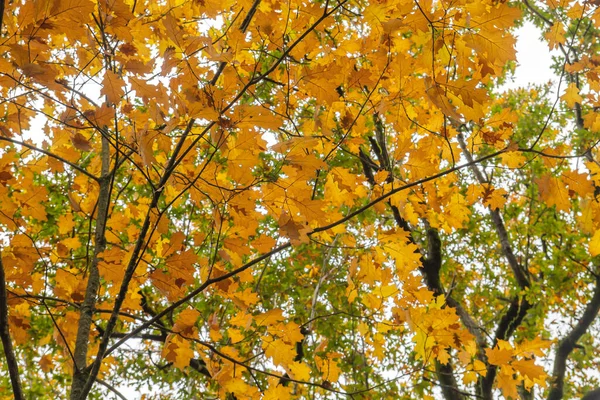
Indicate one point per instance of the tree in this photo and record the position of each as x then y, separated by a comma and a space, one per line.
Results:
327, 199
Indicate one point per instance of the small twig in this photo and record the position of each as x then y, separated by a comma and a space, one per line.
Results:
50, 154
111, 388
321, 280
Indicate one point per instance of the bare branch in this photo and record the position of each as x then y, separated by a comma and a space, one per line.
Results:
568, 343
9, 351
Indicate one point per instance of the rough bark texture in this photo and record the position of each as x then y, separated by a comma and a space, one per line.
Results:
86, 311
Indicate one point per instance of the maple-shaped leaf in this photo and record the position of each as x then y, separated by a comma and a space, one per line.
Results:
186, 321
270, 317
328, 367
436, 95
33, 70
469, 377
46, 363
502, 354
277, 392
534, 347
282, 354
556, 35
554, 192
529, 369
572, 96
507, 382
178, 351
494, 48
299, 371
296, 231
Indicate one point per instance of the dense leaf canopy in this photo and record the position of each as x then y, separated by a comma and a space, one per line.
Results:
297, 199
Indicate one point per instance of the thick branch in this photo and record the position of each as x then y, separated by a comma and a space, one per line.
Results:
431, 264
567, 344
2, 2
86, 311
506, 327
515, 266
519, 307
9, 352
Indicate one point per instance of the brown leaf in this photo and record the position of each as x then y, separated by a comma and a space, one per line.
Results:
33, 70
128, 49
5, 176
74, 204
438, 98
80, 142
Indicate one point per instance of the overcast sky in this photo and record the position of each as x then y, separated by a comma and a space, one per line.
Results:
533, 57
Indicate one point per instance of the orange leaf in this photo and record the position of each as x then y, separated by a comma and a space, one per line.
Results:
112, 87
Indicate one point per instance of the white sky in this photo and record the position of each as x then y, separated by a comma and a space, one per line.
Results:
534, 59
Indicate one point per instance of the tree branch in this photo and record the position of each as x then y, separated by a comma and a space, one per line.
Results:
86, 311
111, 388
9, 352
2, 3
568, 343
515, 266
519, 307
50, 154
431, 264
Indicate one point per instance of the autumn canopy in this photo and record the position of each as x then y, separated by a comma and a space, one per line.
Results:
297, 199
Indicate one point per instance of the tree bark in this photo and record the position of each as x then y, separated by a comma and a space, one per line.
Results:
9, 351
86, 312
567, 344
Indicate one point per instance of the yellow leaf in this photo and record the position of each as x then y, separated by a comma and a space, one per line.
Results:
534, 347
270, 317
495, 198
554, 192
571, 95
282, 353
112, 87
436, 95
595, 244
328, 368
479, 367
507, 382
556, 35
186, 320
299, 371
65, 224
529, 369
469, 377
499, 355
275, 391
178, 351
